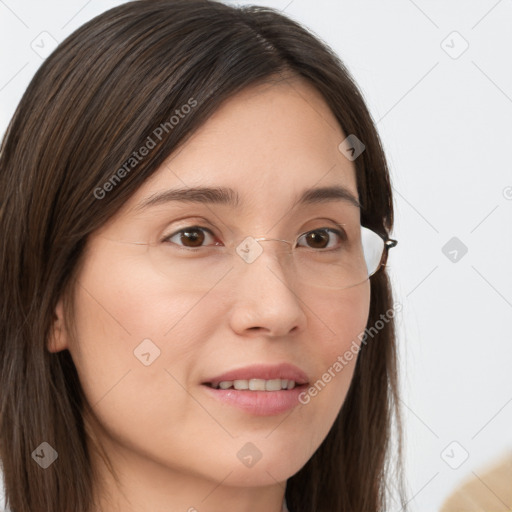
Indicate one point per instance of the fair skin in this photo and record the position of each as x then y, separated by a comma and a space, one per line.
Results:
174, 446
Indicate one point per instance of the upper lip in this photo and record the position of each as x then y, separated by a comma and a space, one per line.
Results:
262, 371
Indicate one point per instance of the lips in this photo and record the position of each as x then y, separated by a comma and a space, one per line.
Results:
284, 371
254, 389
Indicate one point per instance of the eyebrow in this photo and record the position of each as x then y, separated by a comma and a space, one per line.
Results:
230, 197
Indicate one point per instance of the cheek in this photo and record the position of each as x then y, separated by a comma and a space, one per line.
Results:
343, 322
132, 330
343, 317
127, 302
349, 316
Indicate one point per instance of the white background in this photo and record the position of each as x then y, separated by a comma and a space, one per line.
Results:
446, 124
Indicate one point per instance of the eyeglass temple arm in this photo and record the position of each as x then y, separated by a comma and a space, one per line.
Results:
389, 243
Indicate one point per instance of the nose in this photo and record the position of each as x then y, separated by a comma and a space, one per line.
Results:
264, 296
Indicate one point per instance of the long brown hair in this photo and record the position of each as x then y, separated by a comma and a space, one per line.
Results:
93, 103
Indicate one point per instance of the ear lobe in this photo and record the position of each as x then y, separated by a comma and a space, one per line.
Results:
57, 339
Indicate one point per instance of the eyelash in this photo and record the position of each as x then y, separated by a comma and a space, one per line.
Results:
340, 232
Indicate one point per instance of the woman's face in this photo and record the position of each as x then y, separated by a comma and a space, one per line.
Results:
155, 322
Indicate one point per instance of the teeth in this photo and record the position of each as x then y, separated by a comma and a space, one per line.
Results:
240, 384
256, 384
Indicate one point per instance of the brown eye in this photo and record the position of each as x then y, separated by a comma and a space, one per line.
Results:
190, 237
317, 239
320, 238
194, 236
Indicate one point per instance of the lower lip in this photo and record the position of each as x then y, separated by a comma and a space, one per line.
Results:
259, 403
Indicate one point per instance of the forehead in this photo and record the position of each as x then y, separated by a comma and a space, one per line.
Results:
268, 143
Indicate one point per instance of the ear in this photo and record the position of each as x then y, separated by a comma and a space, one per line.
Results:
58, 340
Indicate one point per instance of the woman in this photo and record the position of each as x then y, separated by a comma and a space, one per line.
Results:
188, 320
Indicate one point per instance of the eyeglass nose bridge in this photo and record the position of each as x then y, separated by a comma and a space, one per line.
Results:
249, 249
273, 239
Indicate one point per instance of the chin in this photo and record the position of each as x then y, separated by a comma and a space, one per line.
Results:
262, 473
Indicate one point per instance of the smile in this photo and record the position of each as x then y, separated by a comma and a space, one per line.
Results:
254, 384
